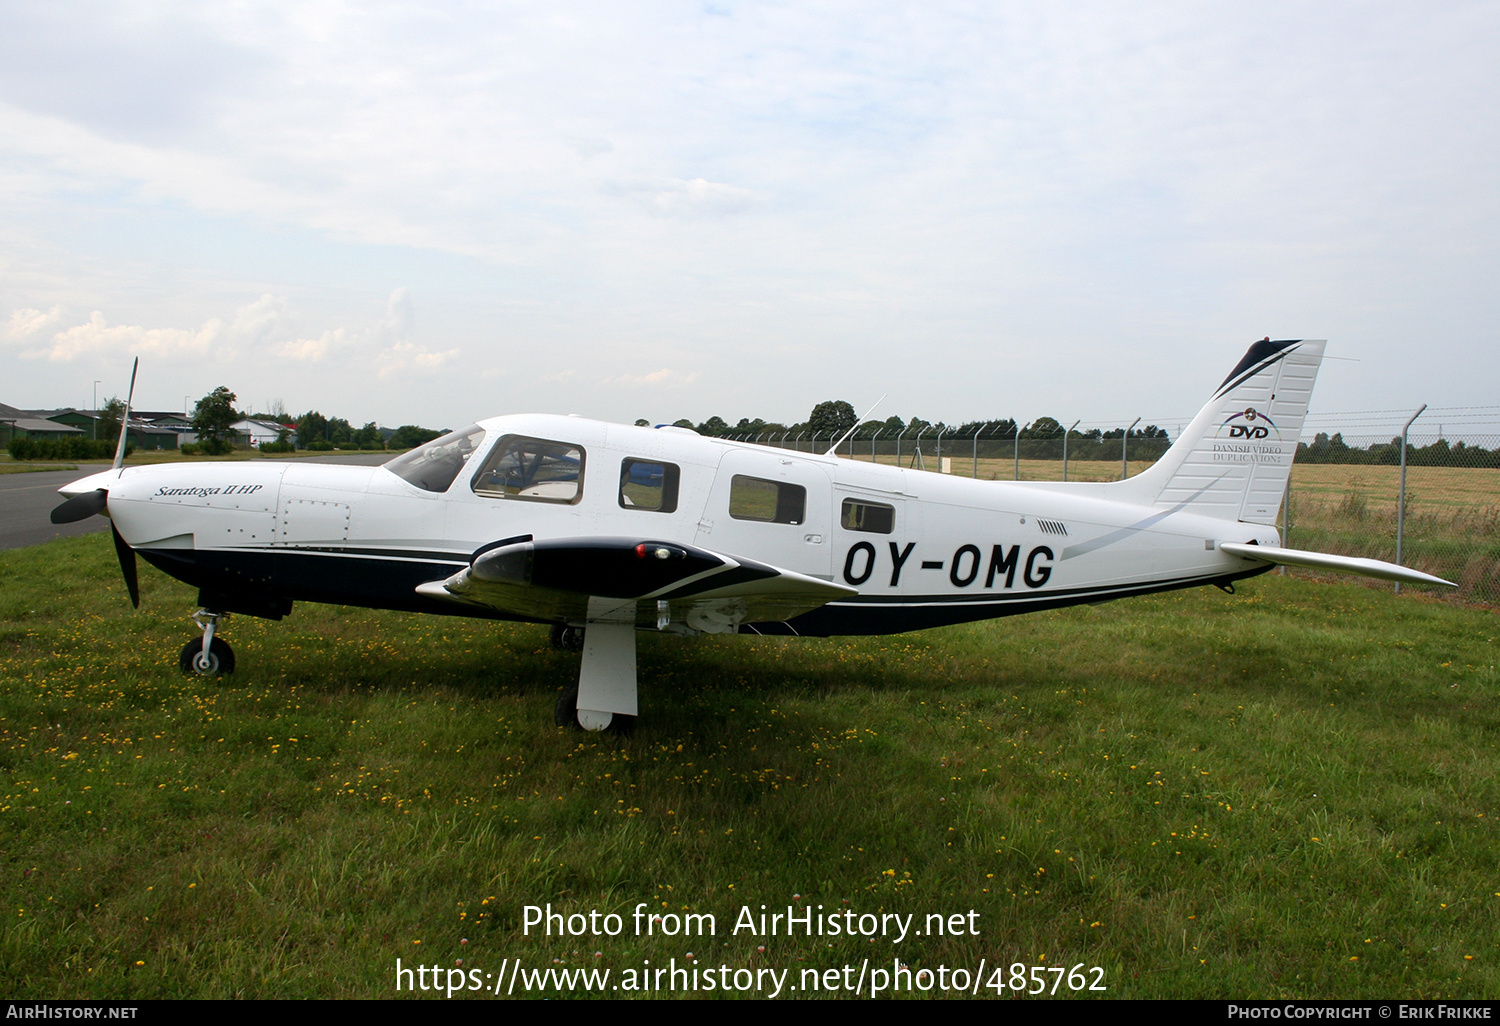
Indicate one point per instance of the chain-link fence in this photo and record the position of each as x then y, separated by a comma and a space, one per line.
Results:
1346, 493
1091, 454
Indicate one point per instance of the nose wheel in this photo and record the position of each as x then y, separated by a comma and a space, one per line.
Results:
219, 659
210, 657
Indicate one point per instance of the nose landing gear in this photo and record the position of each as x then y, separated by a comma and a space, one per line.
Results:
211, 657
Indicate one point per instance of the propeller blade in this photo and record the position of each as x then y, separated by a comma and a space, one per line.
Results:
80, 507
125, 418
127, 566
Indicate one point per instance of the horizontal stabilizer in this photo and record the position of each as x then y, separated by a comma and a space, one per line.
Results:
1324, 561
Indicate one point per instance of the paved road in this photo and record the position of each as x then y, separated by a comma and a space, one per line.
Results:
27, 500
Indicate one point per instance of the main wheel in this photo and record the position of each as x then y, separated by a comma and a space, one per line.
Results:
565, 714
568, 639
220, 658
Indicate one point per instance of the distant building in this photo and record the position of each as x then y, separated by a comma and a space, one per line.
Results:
141, 433
254, 432
16, 423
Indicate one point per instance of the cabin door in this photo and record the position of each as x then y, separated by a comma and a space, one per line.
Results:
772, 507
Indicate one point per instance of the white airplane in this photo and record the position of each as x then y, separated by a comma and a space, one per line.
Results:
607, 529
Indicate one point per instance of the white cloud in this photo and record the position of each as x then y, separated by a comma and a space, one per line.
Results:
700, 196
311, 350
23, 324
665, 377
789, 181
253, 326
256, 323
96, 338
408, 357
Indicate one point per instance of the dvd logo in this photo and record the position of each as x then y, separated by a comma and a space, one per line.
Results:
1248, 428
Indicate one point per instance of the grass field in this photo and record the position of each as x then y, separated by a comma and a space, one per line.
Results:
1452, 520
1292, 792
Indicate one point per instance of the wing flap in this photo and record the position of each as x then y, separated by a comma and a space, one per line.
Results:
670, 584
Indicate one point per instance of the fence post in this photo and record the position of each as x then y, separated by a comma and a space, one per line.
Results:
1124, 448
872, 444
1065, 449
976, 454
1401, 495
1286, 516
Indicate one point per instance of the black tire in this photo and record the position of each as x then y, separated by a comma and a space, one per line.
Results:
568, 639
565, 713
220, 658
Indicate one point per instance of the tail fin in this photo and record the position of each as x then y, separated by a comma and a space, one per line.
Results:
1234, 459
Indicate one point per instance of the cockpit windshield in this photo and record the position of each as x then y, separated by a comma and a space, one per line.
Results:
433, 466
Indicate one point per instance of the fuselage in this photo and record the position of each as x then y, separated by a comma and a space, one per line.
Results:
921, 549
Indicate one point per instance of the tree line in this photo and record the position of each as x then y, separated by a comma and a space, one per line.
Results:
1325, 448
830, 420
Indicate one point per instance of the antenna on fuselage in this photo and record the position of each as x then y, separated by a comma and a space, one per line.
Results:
845, 436
125, 419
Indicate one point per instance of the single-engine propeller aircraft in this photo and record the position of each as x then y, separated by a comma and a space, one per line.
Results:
608, 529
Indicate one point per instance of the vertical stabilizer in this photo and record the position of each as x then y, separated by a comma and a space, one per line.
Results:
1234, 459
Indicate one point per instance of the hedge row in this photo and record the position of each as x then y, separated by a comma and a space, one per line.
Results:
63, 449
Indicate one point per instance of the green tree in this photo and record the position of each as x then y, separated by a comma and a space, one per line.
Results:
1042, 427
213, 419
409, 436
311, 426
107, 427
831, 418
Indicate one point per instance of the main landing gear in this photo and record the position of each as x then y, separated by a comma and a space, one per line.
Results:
211, 657
605, 698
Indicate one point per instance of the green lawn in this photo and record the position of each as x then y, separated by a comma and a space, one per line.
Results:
1291, 792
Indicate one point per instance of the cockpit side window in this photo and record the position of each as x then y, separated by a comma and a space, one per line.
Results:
533, 469
649, 485
433, 467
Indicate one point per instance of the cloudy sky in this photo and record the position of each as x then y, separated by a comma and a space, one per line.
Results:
431, 213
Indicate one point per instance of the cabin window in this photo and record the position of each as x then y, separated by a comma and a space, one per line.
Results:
751, 498
432, 467
534, 469
874, 517
645, 484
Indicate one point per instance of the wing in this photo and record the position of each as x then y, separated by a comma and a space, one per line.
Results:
1325, 561
670, 585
